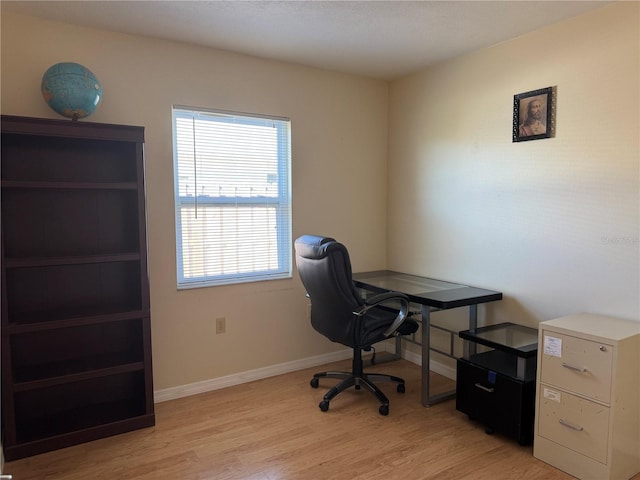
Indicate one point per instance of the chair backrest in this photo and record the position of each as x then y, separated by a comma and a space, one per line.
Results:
325, 270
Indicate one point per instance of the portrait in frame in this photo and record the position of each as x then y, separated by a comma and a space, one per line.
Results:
532, 115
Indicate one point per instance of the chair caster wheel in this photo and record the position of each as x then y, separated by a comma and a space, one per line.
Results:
324, 405
357, 387
384, 410
314, 382
400, 388
488, 431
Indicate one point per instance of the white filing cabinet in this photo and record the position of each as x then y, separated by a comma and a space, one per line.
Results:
588, 396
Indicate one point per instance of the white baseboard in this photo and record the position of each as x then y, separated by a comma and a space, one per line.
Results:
248, 376
287, 367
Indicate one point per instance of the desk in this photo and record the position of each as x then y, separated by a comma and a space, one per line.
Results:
432, 295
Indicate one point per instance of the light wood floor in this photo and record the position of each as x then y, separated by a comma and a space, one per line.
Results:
272, 429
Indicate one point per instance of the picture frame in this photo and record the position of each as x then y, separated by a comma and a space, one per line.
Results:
533, 115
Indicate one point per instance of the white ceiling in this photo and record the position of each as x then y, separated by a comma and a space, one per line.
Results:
381, 39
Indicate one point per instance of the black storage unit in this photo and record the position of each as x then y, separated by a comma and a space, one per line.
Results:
496, 379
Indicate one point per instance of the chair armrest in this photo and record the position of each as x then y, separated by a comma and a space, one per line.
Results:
381, 298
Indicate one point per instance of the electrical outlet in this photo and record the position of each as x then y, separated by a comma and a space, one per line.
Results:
221, 325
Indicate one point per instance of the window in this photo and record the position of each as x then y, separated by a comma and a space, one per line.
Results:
233, 197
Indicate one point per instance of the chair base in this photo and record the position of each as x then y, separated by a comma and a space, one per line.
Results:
357, 379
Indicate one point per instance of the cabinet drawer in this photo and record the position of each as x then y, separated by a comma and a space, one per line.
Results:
578, 365
573, 422
502, 403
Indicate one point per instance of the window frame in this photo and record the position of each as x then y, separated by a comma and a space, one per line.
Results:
282, 202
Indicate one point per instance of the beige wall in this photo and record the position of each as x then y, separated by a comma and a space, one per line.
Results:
551, 223
554, 223
339, 148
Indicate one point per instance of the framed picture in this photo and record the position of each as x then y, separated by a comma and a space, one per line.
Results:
532, 115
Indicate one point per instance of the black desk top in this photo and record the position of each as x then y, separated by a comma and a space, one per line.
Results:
425, 291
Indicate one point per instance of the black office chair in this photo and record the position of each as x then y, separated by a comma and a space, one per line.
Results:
339, 313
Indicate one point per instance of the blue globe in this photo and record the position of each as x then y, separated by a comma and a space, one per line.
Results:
71, 90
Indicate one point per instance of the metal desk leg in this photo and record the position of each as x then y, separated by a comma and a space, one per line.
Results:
426, 350
398, 354
427, 398
473, 317
473, 324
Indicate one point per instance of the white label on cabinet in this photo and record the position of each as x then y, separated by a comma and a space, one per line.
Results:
552, 346
551, 394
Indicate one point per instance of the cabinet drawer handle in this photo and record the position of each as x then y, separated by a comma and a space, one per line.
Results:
577, 369
486, 389
570, 425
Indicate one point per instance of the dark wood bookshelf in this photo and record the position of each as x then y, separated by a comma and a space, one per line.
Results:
76, 339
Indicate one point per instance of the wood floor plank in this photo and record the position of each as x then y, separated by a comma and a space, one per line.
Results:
272, 429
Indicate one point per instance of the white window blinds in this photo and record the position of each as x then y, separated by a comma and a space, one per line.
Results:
233, 197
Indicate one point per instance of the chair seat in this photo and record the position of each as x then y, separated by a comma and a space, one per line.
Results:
377, 321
